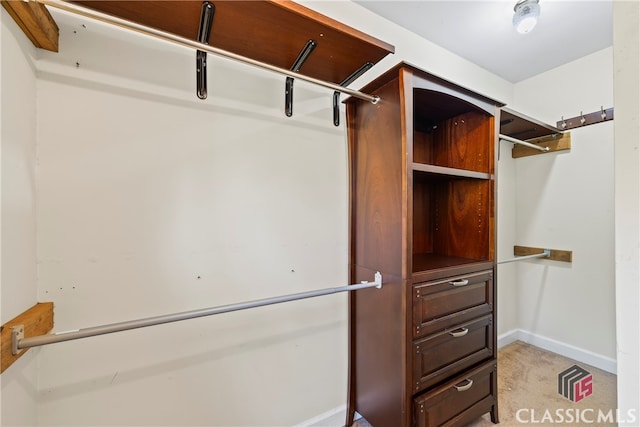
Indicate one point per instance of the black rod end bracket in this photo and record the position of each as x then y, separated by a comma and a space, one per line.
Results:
288, 97
297, 64
346, 82
204, 32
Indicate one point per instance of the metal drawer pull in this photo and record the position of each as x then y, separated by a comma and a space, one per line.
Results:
464, 387
459, 332
461, 282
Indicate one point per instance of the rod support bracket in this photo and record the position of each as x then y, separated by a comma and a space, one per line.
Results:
547, 253
378, 279
204, 32
346, 82
297, 65
17, 334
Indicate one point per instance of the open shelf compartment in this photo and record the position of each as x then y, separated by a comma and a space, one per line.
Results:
452, 221
451, 133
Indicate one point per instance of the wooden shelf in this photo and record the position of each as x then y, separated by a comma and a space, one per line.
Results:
431, 261
449, 172
36, 23
517, 125
269, 31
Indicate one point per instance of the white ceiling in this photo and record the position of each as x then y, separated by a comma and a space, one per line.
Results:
482, 32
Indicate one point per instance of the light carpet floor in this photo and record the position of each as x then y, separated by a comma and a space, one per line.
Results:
528, 392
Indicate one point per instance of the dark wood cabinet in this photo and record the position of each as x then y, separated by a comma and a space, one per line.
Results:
422, 212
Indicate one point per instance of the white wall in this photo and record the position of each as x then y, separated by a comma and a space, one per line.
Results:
151, 202
564, 200
17, 214
626, 54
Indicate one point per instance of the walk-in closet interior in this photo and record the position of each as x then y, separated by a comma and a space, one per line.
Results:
311, 213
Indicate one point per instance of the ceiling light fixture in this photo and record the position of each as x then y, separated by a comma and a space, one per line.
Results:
526, 15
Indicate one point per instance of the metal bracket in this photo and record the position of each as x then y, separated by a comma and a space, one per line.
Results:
336, 95
204, 31
17, 333
297, 64
377, 279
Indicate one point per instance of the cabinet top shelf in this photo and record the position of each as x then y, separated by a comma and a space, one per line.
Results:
423, 80
270, 31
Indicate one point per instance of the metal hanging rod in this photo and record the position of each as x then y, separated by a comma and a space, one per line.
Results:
521, 142
545, 254
18, 342
173, 38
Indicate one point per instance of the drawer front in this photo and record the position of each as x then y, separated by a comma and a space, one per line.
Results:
447, 353
441, 304
459, 401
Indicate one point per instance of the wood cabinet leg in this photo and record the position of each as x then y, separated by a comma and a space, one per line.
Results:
351, 413
494, 414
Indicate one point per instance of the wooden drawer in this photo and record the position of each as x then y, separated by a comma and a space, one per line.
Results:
460, 400
448, 353
441, 304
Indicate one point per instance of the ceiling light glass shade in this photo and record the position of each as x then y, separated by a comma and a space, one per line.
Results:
526, 15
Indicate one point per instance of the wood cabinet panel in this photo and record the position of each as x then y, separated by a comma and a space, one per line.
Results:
377, 184
459, 142
378, 348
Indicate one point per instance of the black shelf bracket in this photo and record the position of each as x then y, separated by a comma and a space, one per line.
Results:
297, 64
204, 31
336, 95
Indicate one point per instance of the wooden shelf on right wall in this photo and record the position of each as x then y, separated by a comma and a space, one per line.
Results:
519, 126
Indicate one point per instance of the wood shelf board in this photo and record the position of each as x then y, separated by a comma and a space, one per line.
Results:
269, 31
430, 261
556, 142
38, 320
520, 126
35, 21
446, 172
556, 254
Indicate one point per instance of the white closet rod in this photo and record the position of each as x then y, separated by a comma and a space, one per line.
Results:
519, 141
546, 254
163, 35
18, 342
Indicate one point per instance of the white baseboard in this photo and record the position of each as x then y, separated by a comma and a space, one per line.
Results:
579, 354
332, 418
